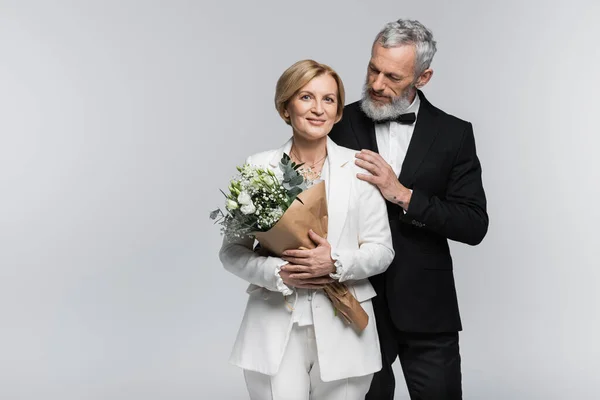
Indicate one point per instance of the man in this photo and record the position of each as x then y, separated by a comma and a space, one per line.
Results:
425, 165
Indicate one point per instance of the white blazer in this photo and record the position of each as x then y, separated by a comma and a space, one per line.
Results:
359, 233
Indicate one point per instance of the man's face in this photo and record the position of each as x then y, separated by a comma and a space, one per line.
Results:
391, 73
390, 86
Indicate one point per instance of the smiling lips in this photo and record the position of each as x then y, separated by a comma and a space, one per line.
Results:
316, 121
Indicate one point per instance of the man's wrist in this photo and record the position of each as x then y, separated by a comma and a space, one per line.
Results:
402, 197
408, 197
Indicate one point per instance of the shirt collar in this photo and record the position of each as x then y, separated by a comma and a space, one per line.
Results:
414, 106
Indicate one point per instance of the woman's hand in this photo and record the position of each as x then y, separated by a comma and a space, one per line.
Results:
309, 267
313, 283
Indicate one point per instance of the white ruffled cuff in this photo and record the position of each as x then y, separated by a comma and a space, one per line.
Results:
281, 287
339, 268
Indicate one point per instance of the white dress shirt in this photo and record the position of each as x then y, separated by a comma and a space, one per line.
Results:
393, 138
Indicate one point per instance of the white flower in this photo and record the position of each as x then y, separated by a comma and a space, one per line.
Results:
248, 208
248, 169
268, 180
244, 198
255, 182
231, 205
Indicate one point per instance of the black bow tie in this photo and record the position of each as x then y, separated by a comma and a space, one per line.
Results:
406, 119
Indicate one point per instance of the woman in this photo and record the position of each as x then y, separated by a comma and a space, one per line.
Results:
291, 343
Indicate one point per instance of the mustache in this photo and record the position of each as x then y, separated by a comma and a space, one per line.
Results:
370, 90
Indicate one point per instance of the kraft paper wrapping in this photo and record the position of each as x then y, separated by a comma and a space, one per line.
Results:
291, 232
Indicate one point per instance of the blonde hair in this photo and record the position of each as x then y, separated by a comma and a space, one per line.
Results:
296, 77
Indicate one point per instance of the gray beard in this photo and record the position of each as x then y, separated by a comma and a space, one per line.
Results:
379, 112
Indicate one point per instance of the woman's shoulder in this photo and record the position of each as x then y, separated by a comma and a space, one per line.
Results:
261, 158
265, 157
348, 157
342, 154
346, 152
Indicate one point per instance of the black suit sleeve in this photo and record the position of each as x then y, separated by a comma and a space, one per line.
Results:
461, 215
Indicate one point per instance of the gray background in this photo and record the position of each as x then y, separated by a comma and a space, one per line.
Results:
121, 119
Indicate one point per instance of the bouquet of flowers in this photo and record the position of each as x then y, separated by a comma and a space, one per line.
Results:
257, 200
278, 209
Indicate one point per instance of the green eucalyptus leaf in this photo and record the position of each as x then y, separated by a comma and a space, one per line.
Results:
214, 214
295, 191
289, 174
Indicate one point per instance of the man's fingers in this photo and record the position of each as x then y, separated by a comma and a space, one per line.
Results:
374, 158
372, 168
369, 156
371, 153
367, 178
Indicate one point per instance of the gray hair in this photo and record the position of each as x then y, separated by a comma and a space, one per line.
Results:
408, 32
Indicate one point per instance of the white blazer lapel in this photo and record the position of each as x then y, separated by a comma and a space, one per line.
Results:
339, 185
274, 162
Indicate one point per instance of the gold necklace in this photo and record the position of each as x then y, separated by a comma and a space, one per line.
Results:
303, 162
308, 172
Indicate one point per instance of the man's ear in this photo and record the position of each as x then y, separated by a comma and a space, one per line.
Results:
424, 78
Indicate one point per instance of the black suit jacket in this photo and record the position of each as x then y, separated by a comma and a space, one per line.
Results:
448, 202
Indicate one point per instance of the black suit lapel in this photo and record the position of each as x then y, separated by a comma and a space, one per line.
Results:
364, 129
423, 136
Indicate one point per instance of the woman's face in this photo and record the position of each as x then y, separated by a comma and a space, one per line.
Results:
313, 110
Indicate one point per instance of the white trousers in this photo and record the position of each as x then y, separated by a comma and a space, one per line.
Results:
299, 375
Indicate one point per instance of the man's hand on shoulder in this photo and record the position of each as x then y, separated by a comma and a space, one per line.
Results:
383, 176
